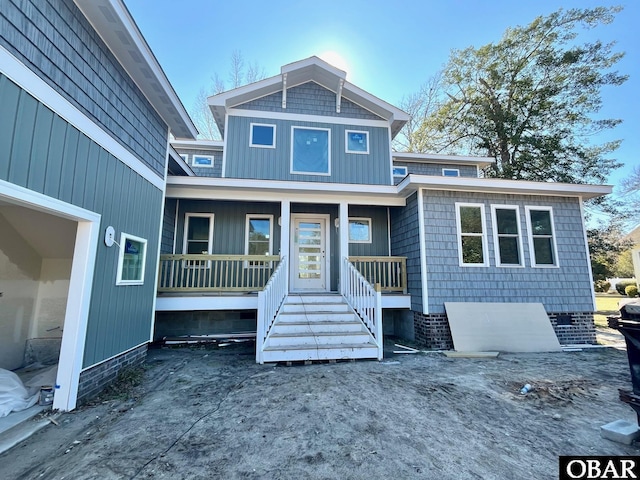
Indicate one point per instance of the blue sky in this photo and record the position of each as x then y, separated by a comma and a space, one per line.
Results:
390, 47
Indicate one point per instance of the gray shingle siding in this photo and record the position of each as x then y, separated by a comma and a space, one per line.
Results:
564, 289
168, 226
215, 171
55, 40
309, 99
436, 169
405, 234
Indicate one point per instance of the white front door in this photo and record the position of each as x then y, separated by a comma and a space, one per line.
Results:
309, 255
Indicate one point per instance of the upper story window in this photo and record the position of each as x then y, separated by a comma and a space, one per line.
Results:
450, 172
357, 141
131, 260
262, 135
310, 151
359, 230
506, 235
399, 171
202, 161
472, 236
542, 242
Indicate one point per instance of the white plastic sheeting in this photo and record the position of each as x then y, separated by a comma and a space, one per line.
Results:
16, 396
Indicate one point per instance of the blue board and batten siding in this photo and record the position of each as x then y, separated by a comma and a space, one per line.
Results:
447, 281
54, 158
56, 42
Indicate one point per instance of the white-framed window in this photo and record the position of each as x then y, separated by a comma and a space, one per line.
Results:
202, 161
472, 235
131, 260
400, 171
310, 151
359, 230
507, 240
262, 135
198, 233
356, 141
450, 172
258, 234
542, 239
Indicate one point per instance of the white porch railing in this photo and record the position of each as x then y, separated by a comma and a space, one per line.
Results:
270, 299
365, 299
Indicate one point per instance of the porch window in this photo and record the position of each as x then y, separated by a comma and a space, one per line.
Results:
356, 141
506, 235
262, 135
472, 243
310, 152
542, 243
199, 233
202, 161
131, 260
359, 230
259, 235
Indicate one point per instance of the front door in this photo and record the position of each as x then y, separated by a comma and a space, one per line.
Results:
309, 267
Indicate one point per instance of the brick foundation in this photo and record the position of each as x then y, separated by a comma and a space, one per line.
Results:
433, 330
95, 379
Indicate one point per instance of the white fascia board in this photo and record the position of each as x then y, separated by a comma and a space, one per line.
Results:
437, 158
175, 156
515, 187
198, 144
206, 302
246, 93
302, 117
118, 30
310, 62
274, 190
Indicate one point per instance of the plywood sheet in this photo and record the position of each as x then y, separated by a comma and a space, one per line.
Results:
504, 327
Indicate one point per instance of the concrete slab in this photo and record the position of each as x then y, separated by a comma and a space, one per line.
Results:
21, 432
471, 354
620, 431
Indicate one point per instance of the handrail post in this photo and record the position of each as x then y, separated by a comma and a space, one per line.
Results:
260, 326
378, 317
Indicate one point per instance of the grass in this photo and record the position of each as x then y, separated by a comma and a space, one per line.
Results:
606, 305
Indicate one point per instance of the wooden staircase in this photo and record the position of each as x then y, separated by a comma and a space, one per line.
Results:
318, 327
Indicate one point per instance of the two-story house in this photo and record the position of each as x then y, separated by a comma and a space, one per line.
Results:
304, 226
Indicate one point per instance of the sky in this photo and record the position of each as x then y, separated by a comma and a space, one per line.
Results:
387, 47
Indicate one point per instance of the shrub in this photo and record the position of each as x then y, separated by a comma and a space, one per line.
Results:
602, 286
622, 284
631, 291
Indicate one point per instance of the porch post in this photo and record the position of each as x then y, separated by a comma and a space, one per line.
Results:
343, 232
285, 230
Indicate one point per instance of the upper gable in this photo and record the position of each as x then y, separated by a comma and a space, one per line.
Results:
310, 99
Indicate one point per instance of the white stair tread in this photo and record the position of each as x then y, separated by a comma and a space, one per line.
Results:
318, 334
340, 346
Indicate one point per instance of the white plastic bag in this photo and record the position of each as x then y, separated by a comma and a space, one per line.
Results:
13, 395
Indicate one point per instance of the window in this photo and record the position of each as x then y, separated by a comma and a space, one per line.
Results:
472, 244
310, 151
356, 141
185, 157
450, 172
131, 260
359, 230
198, 238
259, 236
506, 235
202, 161
262, 135
399, 171
542, 243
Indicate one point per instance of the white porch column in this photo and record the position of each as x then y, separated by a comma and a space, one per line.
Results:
285, 230
343, 233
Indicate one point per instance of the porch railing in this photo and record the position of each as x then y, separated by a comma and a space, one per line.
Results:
389, 272
269, 302
215, 273
365, 299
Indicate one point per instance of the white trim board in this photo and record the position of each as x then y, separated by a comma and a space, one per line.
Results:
301, 117
41, 91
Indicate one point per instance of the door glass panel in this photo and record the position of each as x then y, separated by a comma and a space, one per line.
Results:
310, 250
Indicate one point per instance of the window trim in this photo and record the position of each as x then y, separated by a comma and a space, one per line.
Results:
295, 172
360, 219
530, 237
123, 238
346, 141
251, 144
457, 170
193, 161
184, 157
496, 235
185, 234
406, 172
483, 235
248, 217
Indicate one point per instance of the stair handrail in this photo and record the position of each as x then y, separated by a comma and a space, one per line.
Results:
365, 299
270, 300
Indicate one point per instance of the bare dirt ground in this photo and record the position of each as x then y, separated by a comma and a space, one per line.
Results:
205, 413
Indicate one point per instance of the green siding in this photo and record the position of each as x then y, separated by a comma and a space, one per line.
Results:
42, 152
